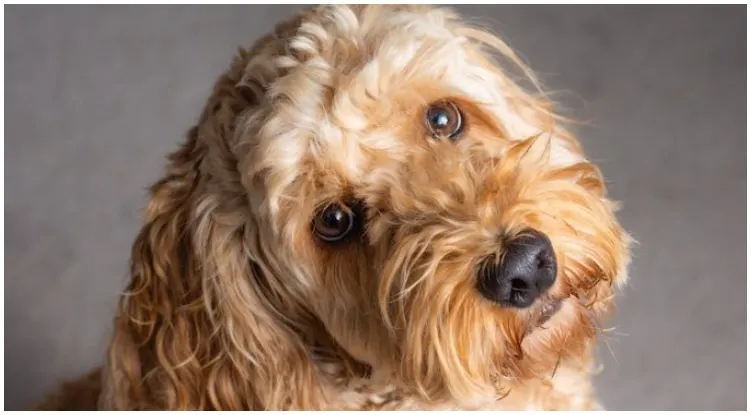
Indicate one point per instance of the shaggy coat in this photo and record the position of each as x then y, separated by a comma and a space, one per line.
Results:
235, 302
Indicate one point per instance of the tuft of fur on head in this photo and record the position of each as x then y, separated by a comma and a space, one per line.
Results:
234, 304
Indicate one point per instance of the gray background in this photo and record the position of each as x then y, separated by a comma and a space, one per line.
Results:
97, 95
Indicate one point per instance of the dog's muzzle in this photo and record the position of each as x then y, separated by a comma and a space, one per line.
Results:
525, 271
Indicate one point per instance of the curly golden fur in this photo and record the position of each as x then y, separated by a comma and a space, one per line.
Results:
233, 303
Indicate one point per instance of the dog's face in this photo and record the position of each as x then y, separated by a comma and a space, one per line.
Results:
423, 207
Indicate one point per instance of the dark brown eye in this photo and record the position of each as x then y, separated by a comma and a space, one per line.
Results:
334, 223
444, 120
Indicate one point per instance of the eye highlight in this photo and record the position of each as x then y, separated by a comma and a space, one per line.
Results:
334, 222
444, 120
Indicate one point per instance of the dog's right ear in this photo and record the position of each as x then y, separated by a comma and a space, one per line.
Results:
203, 323
151, 328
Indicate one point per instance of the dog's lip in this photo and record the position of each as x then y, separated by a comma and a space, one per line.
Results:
548, 310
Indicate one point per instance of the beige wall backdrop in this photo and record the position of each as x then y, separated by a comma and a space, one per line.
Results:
95, 96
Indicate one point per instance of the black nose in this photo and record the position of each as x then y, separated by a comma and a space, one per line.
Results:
527, 270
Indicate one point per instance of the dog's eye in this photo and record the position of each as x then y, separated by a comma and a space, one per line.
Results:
444, 120
334, 223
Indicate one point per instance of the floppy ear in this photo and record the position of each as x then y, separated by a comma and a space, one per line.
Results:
204, 322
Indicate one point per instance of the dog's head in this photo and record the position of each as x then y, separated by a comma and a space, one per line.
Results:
370, 186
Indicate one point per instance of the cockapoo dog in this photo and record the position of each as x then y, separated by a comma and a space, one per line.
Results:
371, 213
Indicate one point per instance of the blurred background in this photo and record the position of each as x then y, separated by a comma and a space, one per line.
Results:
96, 96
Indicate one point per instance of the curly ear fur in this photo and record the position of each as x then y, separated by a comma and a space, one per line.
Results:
198, 326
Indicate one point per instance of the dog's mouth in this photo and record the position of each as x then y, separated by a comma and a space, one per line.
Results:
547, 309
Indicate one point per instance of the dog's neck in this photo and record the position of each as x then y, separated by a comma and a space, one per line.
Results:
355, 385
570, 387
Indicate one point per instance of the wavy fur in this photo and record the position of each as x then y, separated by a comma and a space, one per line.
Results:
232, 303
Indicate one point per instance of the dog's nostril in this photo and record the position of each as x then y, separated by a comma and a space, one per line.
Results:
518, 284
542, 261
520, 291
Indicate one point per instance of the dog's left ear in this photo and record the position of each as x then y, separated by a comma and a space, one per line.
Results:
202, 324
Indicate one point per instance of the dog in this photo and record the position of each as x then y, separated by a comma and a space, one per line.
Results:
372, 212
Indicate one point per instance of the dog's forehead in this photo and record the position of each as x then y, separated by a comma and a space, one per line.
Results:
343, 69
